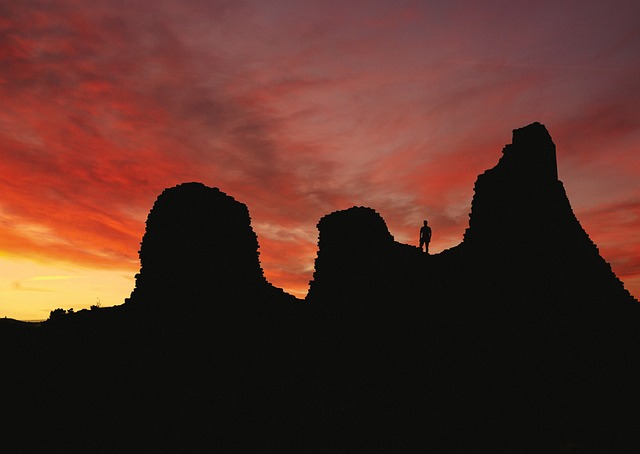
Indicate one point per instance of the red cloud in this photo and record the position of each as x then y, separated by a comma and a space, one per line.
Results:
399, 109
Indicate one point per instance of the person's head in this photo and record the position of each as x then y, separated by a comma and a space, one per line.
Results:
425, 222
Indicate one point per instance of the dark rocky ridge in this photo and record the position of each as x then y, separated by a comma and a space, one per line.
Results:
520, 338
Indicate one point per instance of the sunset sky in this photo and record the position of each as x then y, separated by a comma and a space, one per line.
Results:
297, 109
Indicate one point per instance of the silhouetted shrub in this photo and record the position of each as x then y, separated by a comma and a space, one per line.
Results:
57, 314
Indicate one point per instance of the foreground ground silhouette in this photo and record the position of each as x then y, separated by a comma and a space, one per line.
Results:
521, 338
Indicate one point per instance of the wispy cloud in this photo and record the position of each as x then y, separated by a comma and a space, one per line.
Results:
298, 110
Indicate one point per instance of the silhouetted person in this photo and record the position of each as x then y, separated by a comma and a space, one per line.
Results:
425, 236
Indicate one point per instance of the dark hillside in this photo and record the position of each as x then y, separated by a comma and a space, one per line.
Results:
521, 338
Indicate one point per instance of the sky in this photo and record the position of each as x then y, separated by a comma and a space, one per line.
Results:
297, 109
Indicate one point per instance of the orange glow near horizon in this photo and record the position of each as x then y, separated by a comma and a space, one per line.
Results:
394, 106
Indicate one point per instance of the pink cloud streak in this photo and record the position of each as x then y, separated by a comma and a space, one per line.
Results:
298, 112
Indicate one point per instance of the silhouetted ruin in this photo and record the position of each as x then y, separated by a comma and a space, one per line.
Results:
521, 338
198, 243
199, 255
